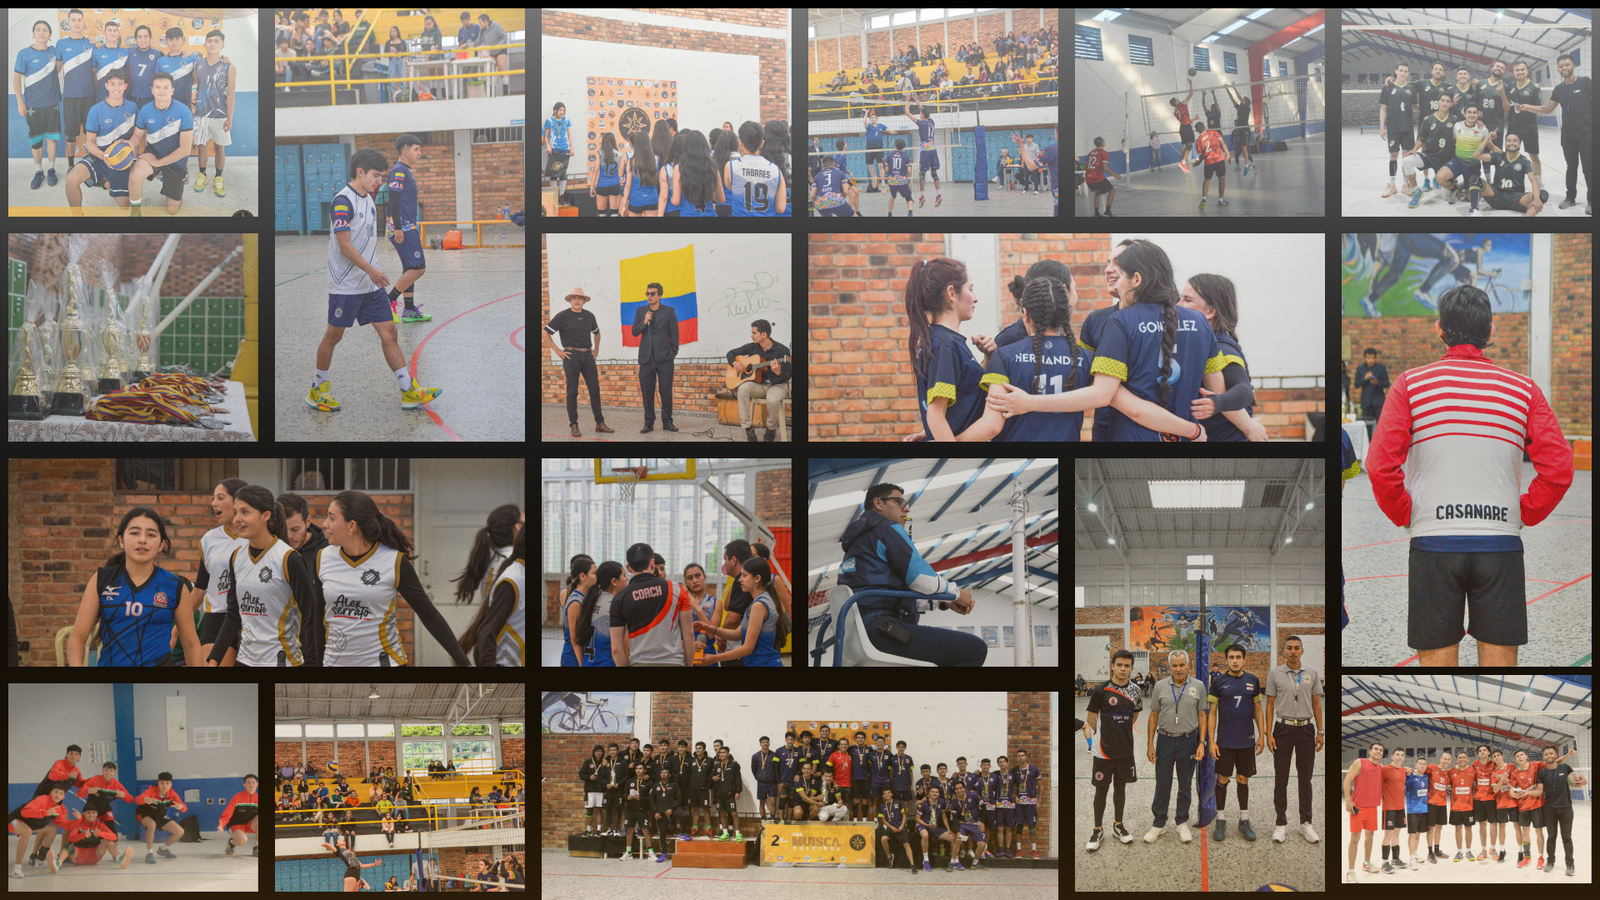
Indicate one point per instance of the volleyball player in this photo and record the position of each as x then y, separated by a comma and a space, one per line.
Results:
210, 592
39, 817
498, 635
272, 580
239, 818
928, 162
1238, 734
402, 230
1397, 112
754, 184
764, 626
1180, 109
1226, 416
1506, 189
1047, 318
134, 600
831, 192
355, 285
892, 820
352, 865
150, 810
359, 577
1241, 129
898, 175
1215, 153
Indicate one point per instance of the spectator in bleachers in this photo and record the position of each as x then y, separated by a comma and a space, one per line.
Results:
468, 35
340, 28
490, 34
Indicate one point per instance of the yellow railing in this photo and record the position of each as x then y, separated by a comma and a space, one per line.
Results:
333, 82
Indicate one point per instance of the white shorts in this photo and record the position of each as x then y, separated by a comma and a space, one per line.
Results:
594, 799
829, 813
210, 129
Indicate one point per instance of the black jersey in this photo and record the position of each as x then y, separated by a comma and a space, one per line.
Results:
1402, 104
1576, 116
1438, 137
1521, 123
1242, 114
1117, 708
1428, 95
1509, 173
1494, 111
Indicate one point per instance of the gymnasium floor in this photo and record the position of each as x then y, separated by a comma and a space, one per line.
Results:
199, 867
1365, 165
1291, 183
1449, 872
473, 349
1558, 559
1170, 866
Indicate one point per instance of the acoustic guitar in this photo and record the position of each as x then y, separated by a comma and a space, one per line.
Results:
750, 368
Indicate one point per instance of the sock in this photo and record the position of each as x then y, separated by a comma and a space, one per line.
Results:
393, 295
1222, 797
135, 203
409, 298
321, 379
40, 165
219, 170
202, 171
1394, 164
404, 377
1385, 849
1244, 801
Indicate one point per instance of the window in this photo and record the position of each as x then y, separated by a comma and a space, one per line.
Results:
1141, 52
198, 476
1086, 43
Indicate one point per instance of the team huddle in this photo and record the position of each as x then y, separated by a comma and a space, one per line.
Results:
1487, 792
90, 835
819, 779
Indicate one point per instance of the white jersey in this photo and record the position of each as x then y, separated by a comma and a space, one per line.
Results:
510, 645
360, 606
216, 549
496, 559
269, 613
357, 215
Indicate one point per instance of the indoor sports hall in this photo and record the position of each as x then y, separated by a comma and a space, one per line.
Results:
1487, 718
1146, 84
739, 838
1472, 52
1524, 374
186, 758
987, 79
1197, 579
988, 528
423, 786
704, 520
73, 519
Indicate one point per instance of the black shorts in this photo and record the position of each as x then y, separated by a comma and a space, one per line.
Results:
74, 110
1186, 133
1103, 186
43, 122
1401, 140
1483, 810
1118, 771
1237, 759
1438, 815
1488, 588
1461, 817
1531, 818
1394, 818
874, 156
1218, 169
1241, 138
1416, 823
1509, 201
1504, 814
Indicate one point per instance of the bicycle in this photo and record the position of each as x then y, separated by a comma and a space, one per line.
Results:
568, 721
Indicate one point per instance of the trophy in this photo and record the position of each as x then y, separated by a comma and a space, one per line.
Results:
27, 398
69, 389
111, 334
138, 310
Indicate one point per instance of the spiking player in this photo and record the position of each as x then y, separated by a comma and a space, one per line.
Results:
1180, 108
928, 162
400, 227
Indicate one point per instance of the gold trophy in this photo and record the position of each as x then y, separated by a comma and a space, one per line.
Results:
27, 401
111, 340
69, 389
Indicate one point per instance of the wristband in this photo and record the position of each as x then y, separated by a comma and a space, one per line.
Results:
1197, 430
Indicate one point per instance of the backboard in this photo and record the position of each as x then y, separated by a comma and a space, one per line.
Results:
661, 468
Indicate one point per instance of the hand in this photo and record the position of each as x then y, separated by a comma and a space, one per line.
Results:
777, 367
1319, 741
1272, 743
1151, 753
985, 343
1259, 743
1350, 807
563, 354
919, 436
648, 315
1257, 432
1200, 752
1202, 436
378, 278
1010, 400
1215, 751
21, 109
1383, 134
149, 158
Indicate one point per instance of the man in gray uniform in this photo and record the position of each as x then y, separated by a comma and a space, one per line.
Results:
1294, 707
1177, 719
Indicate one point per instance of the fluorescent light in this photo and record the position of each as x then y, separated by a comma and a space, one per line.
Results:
1196, 494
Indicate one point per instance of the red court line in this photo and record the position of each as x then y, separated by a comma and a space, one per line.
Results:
514, 338
958, 884
1563, 587
417, 353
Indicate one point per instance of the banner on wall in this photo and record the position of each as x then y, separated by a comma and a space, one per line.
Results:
580, 712
1406, 274
874, 730
1168, 628
626, 106
830, 844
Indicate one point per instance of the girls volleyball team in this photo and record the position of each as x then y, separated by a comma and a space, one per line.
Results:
1163, 364
661, 171
272, 589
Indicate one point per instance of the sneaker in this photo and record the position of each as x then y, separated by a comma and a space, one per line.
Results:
1482, 855
1245, 831
1182, 165
221, 192
1389, 190
321, 398
1399, 862
1095, 840
127, 854
415, 314
1280, 834
1154, 832
50, 177
38, 179
1350, 878
1369, 868
421, 396
1541, 862
1416, 197
1221, 831
1569, 867
1458, 857
1388, 868
1121, 833
200, 182
16, 871
1307, 833
1183, 832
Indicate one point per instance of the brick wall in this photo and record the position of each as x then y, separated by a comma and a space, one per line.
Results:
1028, 729
773, 52
561, 799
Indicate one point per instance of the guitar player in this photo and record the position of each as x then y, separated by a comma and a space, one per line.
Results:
768, 380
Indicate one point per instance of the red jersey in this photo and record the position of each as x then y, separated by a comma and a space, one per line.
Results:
1096, 171
245, 802
42, 807
1484, 775
1182, 110
99, 783
1211, 147
1394, 788
1503, 799
1461, 788
840, 760
150, 797
85, 828
1438, 786
1368, 787
1526, 779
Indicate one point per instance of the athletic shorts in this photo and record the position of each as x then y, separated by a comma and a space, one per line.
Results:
74, 111
1365, 818
157, 814
1121, 770
1483, 810
1186, 133
1394, 818
928, 161
209, 129
1438, 815
211, 627
410, 250
44, 124
1504, 814
1461, 817
1102, 186
102, 175
1237, 759
900, 190
1487, 588
173, 177
350, 310
1416, 823
1401, 140
1217, 169
765, 789
1511, 201
594, 799
1531, 818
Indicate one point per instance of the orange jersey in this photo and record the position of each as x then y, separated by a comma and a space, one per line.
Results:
1483, 774
1461, 788
1394, 789
1183, 112
1438, 786
1211, 147
1503, 799
1526, 779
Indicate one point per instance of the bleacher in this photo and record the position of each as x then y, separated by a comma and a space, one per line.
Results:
817, 83
431, 795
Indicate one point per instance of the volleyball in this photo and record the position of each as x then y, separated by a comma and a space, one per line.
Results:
1192, 71
119, 155
333, 767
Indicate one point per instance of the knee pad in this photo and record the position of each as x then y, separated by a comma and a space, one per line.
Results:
1408, 164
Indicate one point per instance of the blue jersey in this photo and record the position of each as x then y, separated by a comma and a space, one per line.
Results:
142, 68
1131, 350
1014, 364
598, 653
558, 133
875, 135
402, 197
1236, 700
949, 371
1218, 428
1416, 793
164, 128
1089, 333
830, 188
925, 133
40, 86
766, 651
898, 166
111, 123
106, 61
211, 89
606, 173
136, 621
181, 68
567, 659
77, 66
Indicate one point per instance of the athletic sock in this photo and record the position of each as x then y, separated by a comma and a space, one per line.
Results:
409, 298
1244, 800
404, 378
393, 295
321, 379
1222, 797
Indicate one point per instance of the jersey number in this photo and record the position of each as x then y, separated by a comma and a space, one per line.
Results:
755, 196
1505, 184
1441, 143
132, 608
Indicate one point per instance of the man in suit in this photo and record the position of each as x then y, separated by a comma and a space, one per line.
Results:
657, 329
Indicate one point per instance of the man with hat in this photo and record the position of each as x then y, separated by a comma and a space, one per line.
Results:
575, 327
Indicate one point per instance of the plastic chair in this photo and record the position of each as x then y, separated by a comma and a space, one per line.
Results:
850, 643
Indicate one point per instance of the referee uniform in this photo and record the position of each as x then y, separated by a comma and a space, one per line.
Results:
1294, 731
1178, 711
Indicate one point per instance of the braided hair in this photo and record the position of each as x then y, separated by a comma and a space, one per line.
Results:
1150, 262
1044, 296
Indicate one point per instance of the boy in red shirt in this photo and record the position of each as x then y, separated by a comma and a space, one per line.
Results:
840, 761
63, 774
1438, 805
1483, 803
93, 836
151, 813
1461, 783
41, 815
1505, 806
239, 819
1394, 808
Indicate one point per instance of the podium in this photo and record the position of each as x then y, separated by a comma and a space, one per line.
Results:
712, 854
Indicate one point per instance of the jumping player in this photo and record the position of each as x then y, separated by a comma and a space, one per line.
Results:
239, 819
1241, 129
928, 163
355, 295
151, 813
352, 865
1180, 109
400, 227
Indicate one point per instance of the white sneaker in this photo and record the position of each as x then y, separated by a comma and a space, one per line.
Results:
1308, 834
1183, 832
1151, 835
1350, 878
1280, 834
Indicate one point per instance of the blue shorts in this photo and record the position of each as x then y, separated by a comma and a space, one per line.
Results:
102, 174
410, 250
349, 310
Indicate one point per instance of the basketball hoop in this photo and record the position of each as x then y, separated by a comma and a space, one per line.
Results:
628, 479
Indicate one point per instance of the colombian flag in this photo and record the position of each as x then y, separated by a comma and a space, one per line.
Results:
674, 271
